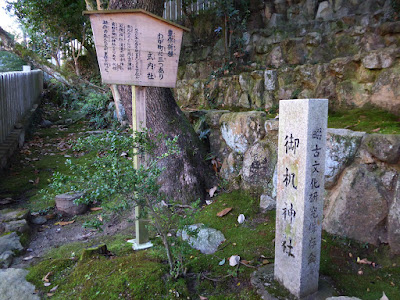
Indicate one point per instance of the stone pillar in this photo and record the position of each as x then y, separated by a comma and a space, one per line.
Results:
301, 163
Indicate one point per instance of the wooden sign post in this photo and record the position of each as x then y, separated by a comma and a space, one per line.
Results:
137, 48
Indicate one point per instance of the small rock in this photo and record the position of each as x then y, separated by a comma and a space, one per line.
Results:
241, 218
207, 240
46, 123
39, 220
65, 204
234, 260
267, 202
6, 259
10, 242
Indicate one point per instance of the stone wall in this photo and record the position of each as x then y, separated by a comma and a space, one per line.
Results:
347, 51
362, 182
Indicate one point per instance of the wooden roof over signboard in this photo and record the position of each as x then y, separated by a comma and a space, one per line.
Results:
92, 12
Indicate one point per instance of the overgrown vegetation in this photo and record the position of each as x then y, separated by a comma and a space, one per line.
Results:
10, 62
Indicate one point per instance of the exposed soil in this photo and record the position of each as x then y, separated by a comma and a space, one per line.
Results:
30, 170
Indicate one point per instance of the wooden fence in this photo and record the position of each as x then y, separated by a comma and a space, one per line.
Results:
19, 91
173, 8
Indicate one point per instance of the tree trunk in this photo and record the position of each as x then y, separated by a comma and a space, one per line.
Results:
187, 175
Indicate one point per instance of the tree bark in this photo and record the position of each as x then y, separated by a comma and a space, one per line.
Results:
187, 175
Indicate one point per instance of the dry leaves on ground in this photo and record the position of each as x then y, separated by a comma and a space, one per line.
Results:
224, 212
61, 223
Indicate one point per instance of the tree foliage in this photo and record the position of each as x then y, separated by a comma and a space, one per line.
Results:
53, 26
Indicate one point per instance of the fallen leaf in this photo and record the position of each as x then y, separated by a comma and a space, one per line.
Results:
222, 262
212, 191
54, 289
36, 181
392, 283
360, 272
203, 298
364, 261
245, 262
46, 277
224, 212
61, 223
28, 257
265, 261
208, 202
375, 130
47, 284
238, 283
96, 208
100, 218
350, 255
49, 294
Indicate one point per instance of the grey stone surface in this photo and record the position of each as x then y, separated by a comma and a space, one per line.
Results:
385, 147
39, 220
263, 281
65, 204
13, 285
7, 215
358, 199
6, 259
341, 148
267, 202
239, 130
394, 221
10, 242
19, 226
258, 165
270, 80
301, 162
207, 239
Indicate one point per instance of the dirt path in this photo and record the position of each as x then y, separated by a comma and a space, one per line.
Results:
44, 153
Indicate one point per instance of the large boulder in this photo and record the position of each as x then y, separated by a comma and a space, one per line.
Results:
359, 198
384, 147
240, 130
341, 148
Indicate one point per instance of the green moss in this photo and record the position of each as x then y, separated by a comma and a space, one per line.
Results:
339, 261
370, 120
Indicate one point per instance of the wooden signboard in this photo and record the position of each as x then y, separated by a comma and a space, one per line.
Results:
135, 47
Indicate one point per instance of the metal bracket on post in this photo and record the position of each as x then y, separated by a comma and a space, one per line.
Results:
139, 121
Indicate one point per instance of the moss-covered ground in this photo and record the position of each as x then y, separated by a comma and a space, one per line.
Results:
43, 154
142, 275
370, 120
